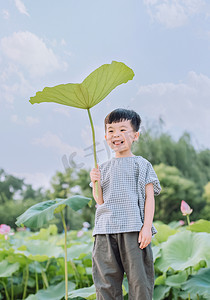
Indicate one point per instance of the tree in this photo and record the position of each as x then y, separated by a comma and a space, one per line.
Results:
174, 189
206, 195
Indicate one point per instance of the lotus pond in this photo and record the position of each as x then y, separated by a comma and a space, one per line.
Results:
32, 264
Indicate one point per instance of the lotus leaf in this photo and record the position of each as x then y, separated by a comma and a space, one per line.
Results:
40, 250
7, 269
199, 283
161, 292
87, 293
181, 250
177, 279
53, 292
41, 213
91, 91
200, 226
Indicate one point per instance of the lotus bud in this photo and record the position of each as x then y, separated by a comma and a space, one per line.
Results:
185, 208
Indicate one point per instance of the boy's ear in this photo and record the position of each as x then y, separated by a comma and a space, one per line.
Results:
136, 136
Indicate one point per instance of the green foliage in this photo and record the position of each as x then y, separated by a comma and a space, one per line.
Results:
181, 260
199, 283
159, 147
174, 189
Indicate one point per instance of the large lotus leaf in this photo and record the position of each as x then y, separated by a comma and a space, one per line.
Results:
53, 292
7, 269
183, 250
88, 293
39, 250
200, 226
199, 283
41, 213
91, 91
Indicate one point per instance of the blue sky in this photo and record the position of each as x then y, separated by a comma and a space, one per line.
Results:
45, 43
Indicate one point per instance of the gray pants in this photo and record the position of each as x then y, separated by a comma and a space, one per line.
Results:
114, 254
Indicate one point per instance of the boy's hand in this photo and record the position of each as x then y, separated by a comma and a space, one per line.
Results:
95, 174
145, 237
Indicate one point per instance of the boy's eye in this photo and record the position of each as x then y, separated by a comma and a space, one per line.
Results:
110, 130
122, 129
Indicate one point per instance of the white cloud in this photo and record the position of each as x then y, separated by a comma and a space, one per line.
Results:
9, 90
174, 13
28, 50
62, 110
36, 179
32, 121
183, 106
15, 119
21, 7
5, 14
50, 140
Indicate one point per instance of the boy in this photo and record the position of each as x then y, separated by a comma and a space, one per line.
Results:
123, 222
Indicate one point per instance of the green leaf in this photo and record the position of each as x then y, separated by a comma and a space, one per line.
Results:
200, 226
7, 269
161, 292
184, 249
87, 293
163, 232
156, 252
79, 251
40, 250
41, 213
177, 279
91, 91
54, 292
199, 283
160, 280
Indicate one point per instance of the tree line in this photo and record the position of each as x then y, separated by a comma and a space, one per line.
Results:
183, 171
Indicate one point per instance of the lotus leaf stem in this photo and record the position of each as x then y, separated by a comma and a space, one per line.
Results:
26, 281
65, 250
94, 145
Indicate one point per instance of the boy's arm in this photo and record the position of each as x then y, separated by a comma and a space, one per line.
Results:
98, 199
145, 235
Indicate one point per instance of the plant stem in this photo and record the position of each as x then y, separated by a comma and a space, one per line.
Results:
26, 282
37, 283
45, 281
188, 220
65, 249
5, 288
94, 146
12, 289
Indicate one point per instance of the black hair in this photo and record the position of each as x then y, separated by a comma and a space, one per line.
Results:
121, 114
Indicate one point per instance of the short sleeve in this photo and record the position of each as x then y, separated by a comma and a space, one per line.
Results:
151, 177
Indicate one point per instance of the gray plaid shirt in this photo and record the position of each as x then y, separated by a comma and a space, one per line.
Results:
123, 182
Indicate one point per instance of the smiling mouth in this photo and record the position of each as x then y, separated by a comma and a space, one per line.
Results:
118, 142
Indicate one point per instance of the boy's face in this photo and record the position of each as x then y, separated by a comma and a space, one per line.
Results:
120, 137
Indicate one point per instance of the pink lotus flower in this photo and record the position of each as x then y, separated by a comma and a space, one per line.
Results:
185, 208
5, 230
80, 233
181, 222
